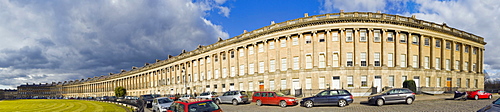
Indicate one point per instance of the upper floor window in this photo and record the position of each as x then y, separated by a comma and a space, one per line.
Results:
261, 47
308, 38
427, 41
232, 53
415, 39
438, 43
296, 63
271, 45
348, 36
223, 56
283, 42
376, 36
402, 38
474, 50
363, 59
390, 37
362, 36
216, 58
349, 59
457, 47
466, 49
321, 37
242, 52
448, 45
295, 41
250, 50
335, 36
376, 59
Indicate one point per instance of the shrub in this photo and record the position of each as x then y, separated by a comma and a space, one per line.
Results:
410, 84
120, 91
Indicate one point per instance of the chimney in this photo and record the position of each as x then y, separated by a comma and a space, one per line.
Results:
272, 22
413, 16
245, 31
379, 12
306, 14
342, 11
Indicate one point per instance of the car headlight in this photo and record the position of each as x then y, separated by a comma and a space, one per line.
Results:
291, 99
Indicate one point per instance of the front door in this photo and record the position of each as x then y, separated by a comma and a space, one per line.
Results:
417, 82
295, 85
336, 82
378, 83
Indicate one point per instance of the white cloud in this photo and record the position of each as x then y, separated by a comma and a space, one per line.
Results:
45, 41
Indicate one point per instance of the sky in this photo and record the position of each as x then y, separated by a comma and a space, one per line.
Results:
44, 41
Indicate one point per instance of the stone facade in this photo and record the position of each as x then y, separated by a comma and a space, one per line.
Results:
358, 51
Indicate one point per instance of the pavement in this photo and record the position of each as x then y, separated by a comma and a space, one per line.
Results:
448, 96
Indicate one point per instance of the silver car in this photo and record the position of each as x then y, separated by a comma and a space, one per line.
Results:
234, 97
161, 104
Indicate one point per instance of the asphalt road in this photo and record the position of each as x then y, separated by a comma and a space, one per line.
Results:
423, 105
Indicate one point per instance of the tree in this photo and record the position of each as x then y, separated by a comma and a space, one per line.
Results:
410, 84
120, 91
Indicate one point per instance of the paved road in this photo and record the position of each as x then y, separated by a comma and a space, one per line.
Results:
422, 105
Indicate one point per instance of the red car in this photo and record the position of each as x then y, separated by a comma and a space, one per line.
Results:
478, 94
273, 98
194, 106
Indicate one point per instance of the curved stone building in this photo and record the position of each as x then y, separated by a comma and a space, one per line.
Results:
362, 52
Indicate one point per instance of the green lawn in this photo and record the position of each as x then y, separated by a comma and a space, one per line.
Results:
58, 105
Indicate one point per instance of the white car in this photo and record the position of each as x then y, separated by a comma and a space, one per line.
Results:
207, 95
161, 104
186, 97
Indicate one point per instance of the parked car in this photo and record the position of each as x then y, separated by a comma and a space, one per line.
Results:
173, 97
186, 97
148, 98
207, 95
478, 94
394, 95
234, 97
161, 104
338, 97
196, 106
493, 107
273, 98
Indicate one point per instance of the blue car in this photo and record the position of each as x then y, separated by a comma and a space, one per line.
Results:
338, 97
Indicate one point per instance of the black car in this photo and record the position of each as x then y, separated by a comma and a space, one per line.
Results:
338, 97
394, 95
148, 98
494, 107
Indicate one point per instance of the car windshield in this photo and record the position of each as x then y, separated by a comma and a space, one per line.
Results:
204, 94
243, 93
386, 91
165, 100
280, 94
203, 107
497, 101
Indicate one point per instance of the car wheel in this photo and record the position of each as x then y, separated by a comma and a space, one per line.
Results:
342, 103
380, 102
489, 97
309, 104
235, 102
409, 101
217, 102
282, 104
259, 103
476, 97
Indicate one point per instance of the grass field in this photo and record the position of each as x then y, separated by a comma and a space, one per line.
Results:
53, 105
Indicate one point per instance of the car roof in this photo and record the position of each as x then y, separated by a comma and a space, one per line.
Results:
162, 97
191, 102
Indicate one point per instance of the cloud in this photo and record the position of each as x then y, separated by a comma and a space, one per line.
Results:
45, 41
477, 17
